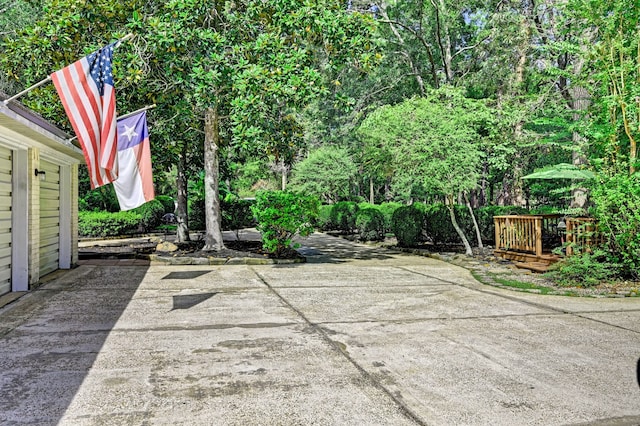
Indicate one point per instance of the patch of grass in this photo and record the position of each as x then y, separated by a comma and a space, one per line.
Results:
496, 279
522, 285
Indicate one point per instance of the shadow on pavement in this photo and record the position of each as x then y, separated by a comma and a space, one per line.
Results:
51, 337
323, 248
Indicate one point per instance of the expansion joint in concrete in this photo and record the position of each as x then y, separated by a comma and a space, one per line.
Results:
402, 407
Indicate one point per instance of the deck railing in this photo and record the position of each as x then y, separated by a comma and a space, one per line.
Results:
582, 234
527, 233
537, 234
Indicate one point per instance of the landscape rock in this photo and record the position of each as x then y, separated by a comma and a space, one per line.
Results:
166, 246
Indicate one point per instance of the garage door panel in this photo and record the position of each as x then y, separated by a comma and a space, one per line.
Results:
51, 186
6, 178
49, 220
5, 274
5, 239
49, 217
49, 203
49, 242
6, 164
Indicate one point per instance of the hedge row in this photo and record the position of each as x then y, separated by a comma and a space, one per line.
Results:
410, 224
100, 224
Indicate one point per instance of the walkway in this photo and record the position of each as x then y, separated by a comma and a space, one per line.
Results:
356, 336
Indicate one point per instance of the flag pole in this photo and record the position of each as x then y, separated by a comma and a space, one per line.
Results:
136, 112
27, 90
120, 117
48, 79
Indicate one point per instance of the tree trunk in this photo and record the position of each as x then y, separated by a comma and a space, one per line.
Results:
372, 199
454, 222
284, 176
443, 38
182, 215
475, 222
580, 104
213, 218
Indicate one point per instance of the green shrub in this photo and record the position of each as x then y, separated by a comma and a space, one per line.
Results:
197, 215
387, 210
343, 215
167, 202
150, 215
584, 270
281, 215
439, 226
99, 199
236, 214
107, 224
617, 210
407, 225
323, 221
370, 224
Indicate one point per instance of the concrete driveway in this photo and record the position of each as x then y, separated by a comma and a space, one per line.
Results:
356, 336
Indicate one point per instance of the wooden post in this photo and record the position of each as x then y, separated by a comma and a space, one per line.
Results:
538, 222
496, 224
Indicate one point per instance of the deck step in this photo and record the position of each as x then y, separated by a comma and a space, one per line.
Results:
540, 267
547, 258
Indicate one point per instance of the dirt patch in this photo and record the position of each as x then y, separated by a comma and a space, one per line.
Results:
241, 248
193, 249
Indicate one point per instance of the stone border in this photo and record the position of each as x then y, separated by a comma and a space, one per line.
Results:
179, 260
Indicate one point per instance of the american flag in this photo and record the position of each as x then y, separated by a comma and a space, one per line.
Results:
87, 93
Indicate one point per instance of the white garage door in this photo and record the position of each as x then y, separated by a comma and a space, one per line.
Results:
5, 219
49, 218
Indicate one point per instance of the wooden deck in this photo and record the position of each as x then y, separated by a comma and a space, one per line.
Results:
528, 240
529, 261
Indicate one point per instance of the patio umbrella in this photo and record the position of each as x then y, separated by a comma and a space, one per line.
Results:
561, 171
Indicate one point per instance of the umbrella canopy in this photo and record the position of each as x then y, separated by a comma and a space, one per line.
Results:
561, 171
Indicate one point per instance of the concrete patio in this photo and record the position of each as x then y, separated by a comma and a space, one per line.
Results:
355, 336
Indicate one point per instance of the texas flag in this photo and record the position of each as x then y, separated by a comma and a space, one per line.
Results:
134, 185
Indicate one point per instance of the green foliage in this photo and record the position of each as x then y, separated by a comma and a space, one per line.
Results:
328, 173
282, 215
236, 214
167, 203
435, 142
587, 269
387, 210
407, 225
197, 215
610, 74
99, 224
343, 215
439, 226
617, 210
323, 222
370, 224
150, 214
102, 198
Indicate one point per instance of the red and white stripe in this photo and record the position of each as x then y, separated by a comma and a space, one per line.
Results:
92, 118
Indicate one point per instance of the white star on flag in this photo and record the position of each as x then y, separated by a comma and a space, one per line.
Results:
129, 132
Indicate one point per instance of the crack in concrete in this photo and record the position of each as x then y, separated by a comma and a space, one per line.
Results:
404, 409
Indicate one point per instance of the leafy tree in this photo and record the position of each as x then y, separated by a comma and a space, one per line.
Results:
328, 173
436, 141
247, 66
238, 70
611, 71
